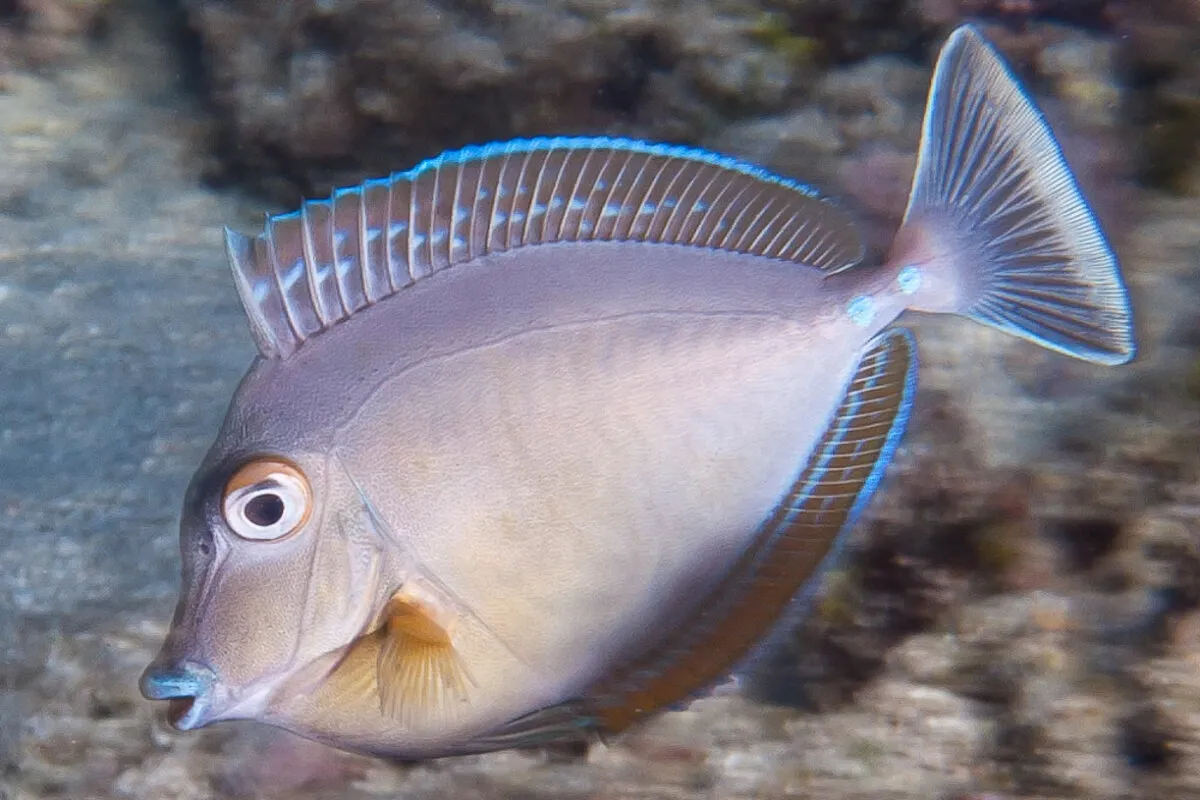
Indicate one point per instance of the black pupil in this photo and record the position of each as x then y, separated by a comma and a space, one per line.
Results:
265, 510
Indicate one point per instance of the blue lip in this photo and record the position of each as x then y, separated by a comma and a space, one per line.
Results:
188, 688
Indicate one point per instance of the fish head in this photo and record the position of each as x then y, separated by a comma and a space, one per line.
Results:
282, 572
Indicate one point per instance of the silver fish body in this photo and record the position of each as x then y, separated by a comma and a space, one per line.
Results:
544, 483
624, 440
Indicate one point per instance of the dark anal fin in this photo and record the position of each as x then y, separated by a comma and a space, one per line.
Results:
790, 550
566, 722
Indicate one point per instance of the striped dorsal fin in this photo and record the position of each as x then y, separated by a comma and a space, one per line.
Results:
312, 268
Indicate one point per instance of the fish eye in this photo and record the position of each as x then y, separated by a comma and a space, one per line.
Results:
267, 499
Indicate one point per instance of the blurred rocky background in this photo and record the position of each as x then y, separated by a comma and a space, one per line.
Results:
1020, 614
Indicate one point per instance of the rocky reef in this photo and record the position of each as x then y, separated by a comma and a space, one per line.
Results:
311, 94
1018, 616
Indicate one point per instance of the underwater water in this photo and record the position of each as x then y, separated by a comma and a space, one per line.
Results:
1019, 612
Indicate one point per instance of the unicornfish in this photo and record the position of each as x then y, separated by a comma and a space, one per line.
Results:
546, 436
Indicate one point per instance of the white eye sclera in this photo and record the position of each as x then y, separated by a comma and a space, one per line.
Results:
267, 499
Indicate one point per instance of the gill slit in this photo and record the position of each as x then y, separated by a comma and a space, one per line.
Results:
205, 591
312, 564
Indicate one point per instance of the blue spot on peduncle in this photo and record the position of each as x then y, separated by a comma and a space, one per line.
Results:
909, 279
861, 310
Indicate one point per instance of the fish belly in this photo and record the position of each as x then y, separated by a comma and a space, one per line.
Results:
577, 481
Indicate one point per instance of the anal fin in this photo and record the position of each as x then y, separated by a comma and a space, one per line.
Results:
565, 722
789, 550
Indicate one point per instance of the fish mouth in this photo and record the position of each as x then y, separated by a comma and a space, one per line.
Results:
177, 710
187, 688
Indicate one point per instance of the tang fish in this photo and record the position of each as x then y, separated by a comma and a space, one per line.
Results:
549, 435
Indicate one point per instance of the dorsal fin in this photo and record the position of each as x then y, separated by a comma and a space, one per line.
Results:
312, 268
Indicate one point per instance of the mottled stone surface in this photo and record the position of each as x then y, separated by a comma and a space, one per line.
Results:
47, 33
1018, 616
315, 93
310, 92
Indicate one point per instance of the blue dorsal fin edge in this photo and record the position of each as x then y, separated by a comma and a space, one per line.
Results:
641, 146
319, 265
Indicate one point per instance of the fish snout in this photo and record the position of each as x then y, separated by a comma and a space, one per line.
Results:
188, 688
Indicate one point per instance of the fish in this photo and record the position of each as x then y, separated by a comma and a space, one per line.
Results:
546, 437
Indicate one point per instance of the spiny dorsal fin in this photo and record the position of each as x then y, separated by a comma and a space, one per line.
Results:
312, 268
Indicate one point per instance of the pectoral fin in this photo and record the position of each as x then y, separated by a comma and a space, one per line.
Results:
408, 663
791, 548
418, 670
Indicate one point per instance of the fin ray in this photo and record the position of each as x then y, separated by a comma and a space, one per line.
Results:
554, 724
995, 207
418, 673
367, 242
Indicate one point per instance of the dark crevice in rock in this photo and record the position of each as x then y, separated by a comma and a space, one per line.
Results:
624, 88
1181, 593
850, 32
322, 33
11, 11
1020, 749
1144, 739
1085, 541
189, 52
990, 678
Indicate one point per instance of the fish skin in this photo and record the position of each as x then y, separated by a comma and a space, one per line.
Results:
561, 447
754, 335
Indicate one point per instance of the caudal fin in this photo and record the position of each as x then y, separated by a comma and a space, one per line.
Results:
996, 221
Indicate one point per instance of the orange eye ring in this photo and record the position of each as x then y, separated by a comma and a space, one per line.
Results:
267, 499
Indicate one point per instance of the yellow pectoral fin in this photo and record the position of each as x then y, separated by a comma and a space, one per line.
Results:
418, 672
